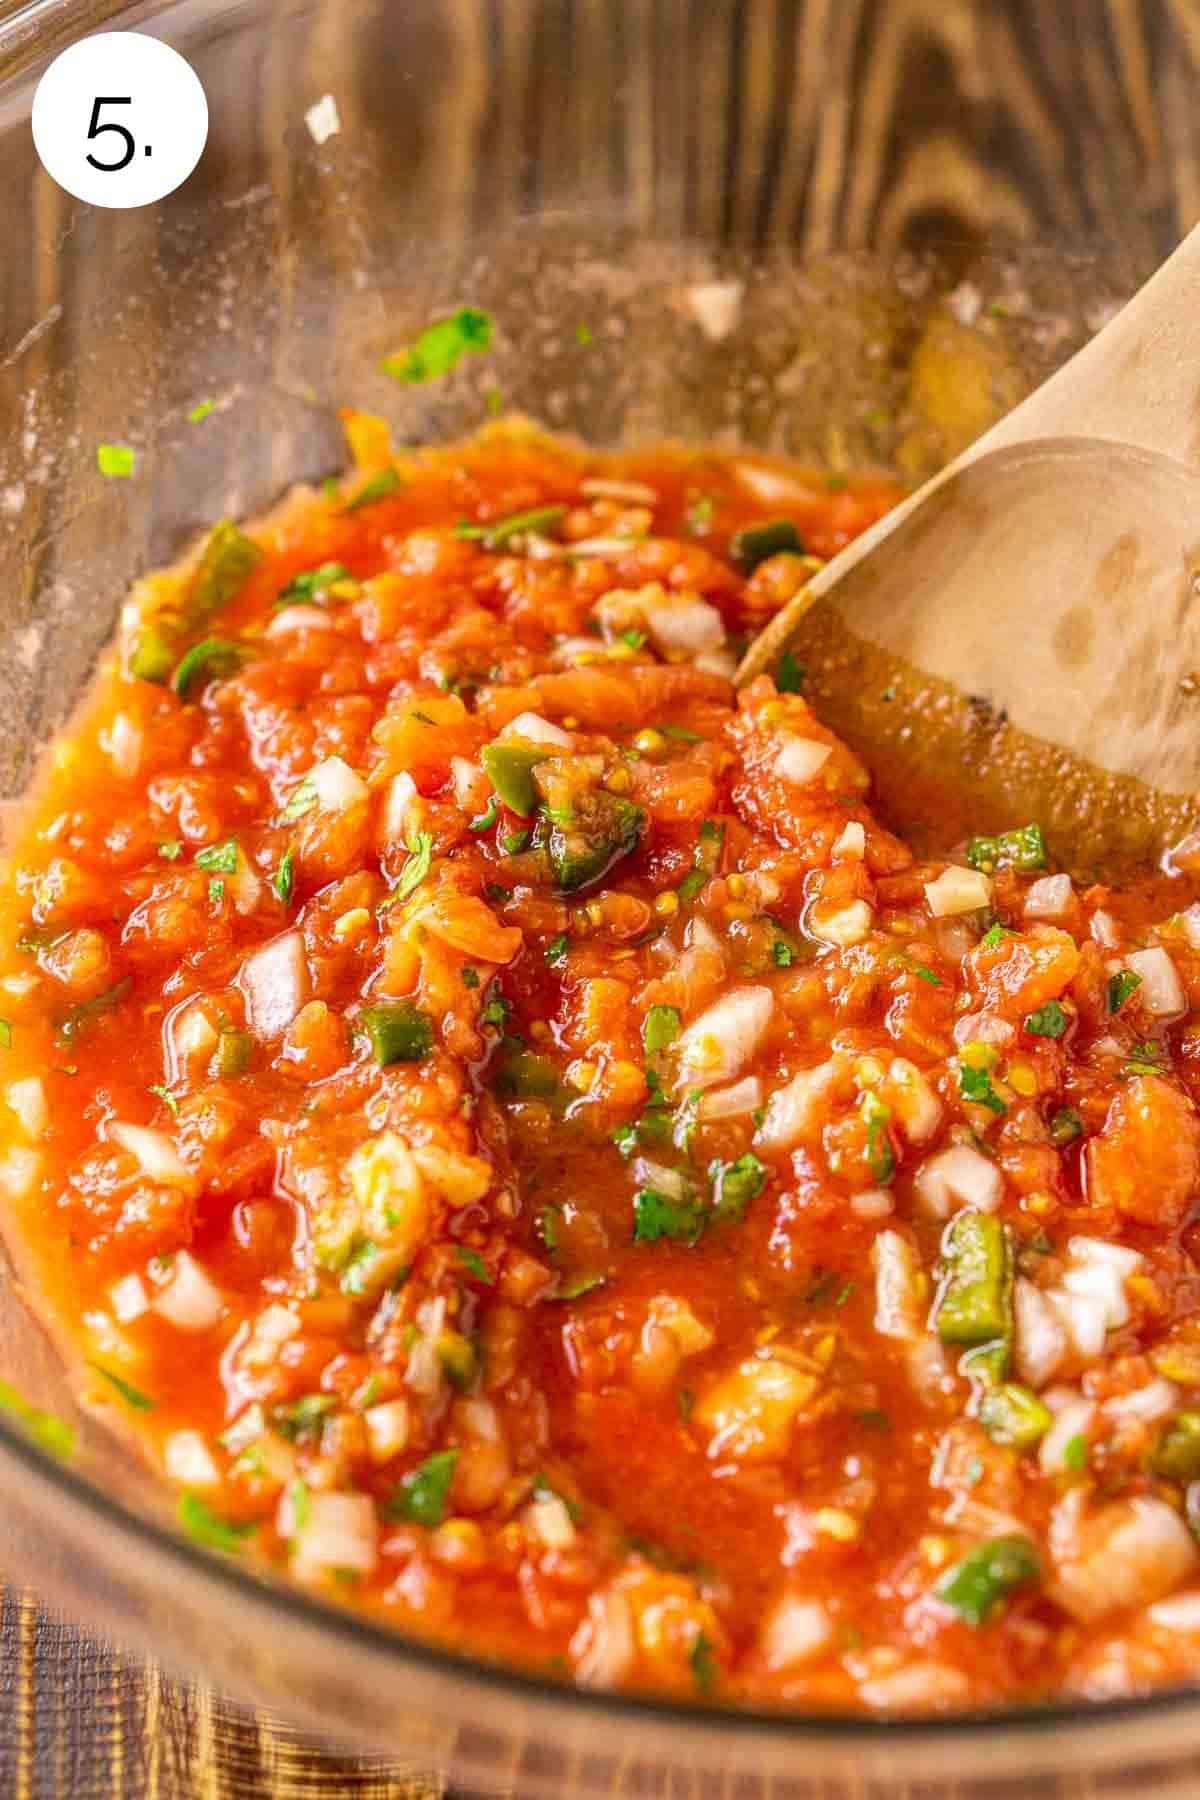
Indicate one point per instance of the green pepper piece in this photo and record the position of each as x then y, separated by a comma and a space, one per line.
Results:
423, 1492
510, 768
524, 1074
460, 1364
1024, 848
151, 658
399, 1032
975, 1304
1013, 1415
228, 560
208, 659
985, 1577
755, 543
1176, 1456
601, 829
233, 1052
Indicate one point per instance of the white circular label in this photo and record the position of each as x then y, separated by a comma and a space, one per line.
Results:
120, 119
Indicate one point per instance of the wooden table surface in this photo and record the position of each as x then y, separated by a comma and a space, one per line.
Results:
824, 122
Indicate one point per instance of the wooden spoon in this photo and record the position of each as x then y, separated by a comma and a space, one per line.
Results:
1020, 639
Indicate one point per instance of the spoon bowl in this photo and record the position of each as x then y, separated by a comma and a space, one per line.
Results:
1021, 639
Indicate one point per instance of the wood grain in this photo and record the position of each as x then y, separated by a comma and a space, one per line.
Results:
823, 124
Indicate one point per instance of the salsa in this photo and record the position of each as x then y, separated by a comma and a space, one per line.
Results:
493, 1115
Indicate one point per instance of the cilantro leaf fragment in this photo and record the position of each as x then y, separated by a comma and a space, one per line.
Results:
656, 1215
442, 346
210, 1531
422, 1494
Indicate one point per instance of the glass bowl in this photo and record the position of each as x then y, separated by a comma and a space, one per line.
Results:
564, 165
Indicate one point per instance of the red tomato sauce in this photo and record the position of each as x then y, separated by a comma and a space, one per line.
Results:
501, 1124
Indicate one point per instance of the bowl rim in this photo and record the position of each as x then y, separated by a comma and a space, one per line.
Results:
842, 1729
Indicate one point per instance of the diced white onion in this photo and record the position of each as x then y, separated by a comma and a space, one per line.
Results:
1041, 1337
398, 796
604, 1646
154, 1152
1189, 924
682, 624
1105, 930
189, 1299
1049, 897
715, 306
1131, 1553
1089, 1249
852, 843
1071, 1422
612, 545
187, 1032
547, 1519
322, 120
911, 1096
959, 1176
387, 1427
479, 1419
340, 1532
1100, 1282
423, 1371
722, 662
273, 1327
1145, 1404
531, 728
189, 1461
128, 1299
983, 1028
27, 1099
275, 984
1180, 1613
245, 888
795, 1631
793, 1110
20, 1169
299, 618
336, 785
716, 1045
917, 1687
1161, 994
470, 783
634, 493
848, 926
799, 759
772, 486
957, 891
744, 1096
897, 1306
1085, 1318
874, 1203
125, 744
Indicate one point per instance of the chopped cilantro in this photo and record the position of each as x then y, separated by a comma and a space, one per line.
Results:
661, 1028
485, 820
378, 488
789, 676
681, 734
735, 1185
924, 974
311, 582
994, 935
633, 638
1120, 987
496, 1011
556, 951
470, 977
1049, 1021
783, 953
584, 335
976, 1085
166, 1096
442, 346
200, 411
216, 890
171, 850
114, 460
219, 859
132, 1396
423, 1492
284, 878
302, 1418
472, 1260
656, 1215
881, 1158
300, 801
500, 532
